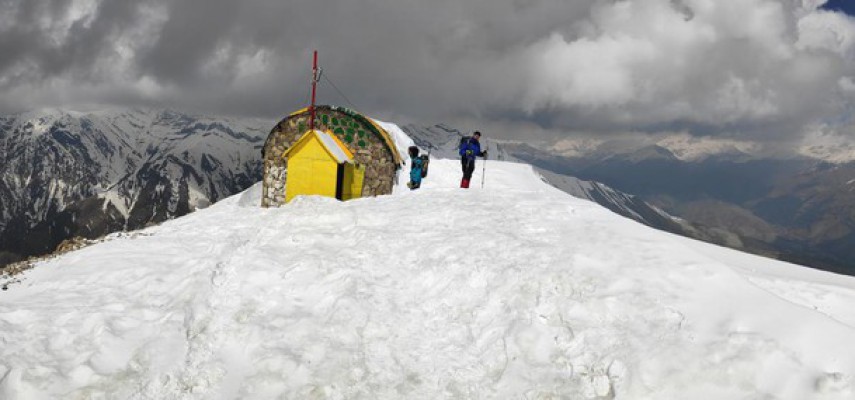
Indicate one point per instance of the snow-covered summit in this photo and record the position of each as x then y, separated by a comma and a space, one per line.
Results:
516, 290
829, 147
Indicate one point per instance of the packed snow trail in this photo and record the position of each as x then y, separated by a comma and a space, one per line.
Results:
514, 291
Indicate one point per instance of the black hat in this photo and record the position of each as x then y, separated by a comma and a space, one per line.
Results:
476, 133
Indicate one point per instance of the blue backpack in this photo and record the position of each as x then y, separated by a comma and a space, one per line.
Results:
464, 144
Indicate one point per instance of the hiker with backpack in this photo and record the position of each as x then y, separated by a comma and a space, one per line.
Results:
418, 168
470, 147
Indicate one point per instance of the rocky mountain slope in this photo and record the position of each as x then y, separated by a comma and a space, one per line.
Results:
66, 174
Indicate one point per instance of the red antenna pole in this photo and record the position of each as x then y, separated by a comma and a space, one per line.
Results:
314, 87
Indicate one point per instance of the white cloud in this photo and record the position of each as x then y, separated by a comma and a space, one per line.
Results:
829, 31
650, 62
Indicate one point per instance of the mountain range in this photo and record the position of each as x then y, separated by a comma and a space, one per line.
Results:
796, 208
67, 174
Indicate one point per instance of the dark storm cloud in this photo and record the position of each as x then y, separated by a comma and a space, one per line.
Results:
385, 53
39, 39
178, 52
756, 67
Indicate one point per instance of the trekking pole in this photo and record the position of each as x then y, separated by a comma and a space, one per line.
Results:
484, 171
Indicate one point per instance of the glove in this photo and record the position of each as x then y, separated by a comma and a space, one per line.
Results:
468, 152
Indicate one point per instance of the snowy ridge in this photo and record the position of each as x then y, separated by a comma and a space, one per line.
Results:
442, 141
591, 190
516, 290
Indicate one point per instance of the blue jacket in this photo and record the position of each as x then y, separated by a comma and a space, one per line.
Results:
471, 149
416, 165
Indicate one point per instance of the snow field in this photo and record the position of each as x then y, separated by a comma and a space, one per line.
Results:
512, 291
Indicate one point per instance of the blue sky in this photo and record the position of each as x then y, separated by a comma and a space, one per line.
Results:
847, 6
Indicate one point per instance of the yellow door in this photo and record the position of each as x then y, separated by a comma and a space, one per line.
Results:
310, 177
314, 170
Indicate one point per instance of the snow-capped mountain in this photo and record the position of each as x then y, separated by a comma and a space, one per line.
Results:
86, 174
835, 149
516, 290
817, 146
679, 146
443, 141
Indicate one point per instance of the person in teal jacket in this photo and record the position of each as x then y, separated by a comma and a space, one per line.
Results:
416, 168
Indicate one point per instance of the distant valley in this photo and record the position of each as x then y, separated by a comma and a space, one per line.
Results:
797, 209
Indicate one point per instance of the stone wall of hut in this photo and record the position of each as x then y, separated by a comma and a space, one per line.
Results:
363, 140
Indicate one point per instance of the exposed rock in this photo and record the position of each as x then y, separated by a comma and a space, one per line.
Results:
72, 244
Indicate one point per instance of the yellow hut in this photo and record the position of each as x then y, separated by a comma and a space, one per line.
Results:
373, 150
320, 164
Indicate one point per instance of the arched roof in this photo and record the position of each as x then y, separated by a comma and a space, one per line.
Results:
368, 122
